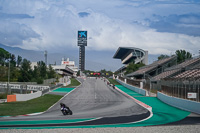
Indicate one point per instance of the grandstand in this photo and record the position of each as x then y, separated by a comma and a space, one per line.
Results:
166, 76
174, 70
189, 74
153, 69
129, 55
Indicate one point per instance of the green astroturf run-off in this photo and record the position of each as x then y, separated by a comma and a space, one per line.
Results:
162, 113
64, 90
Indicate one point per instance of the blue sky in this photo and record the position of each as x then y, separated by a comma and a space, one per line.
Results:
159, 26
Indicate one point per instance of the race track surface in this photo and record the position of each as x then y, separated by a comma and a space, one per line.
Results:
92, 99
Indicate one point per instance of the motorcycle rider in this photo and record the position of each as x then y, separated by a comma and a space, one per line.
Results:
65, 109
62, 105
113, 86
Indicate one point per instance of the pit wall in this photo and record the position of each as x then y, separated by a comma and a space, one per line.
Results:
183, 104
138, 90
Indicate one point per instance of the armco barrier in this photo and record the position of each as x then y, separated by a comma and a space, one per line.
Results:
138, 90
25, 97
183, 104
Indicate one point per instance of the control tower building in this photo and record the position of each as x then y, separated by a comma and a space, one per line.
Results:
82, 42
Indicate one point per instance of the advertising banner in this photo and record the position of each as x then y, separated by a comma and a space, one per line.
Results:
82, 38
192, 95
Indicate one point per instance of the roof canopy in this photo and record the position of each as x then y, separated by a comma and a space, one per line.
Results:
121, 51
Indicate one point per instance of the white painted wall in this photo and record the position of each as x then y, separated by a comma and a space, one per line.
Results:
26, 97
184, 104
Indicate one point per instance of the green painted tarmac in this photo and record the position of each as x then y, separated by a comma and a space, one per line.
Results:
162, 114
43, 121
128, 91
63, 90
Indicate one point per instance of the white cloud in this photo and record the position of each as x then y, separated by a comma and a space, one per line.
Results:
108, 24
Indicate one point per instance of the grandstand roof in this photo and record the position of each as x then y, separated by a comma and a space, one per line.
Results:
187, 63
153, 66
121, 51
64, 69
121, 69
128, 54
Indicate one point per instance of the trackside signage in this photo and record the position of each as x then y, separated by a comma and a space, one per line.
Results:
82, 38
191, 95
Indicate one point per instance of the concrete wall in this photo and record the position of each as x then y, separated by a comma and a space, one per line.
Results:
184, 104
65, 80
25, 97
138, 90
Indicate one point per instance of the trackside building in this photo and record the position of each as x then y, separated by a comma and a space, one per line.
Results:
129, 55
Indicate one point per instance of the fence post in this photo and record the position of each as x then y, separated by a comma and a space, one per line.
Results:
198, 94
185, 89
141, 85
178, 88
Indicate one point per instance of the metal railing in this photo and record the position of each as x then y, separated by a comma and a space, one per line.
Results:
181, 88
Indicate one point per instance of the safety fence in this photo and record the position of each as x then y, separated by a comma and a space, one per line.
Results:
141, 83
131, 81
24, 88
136, 89
181, 88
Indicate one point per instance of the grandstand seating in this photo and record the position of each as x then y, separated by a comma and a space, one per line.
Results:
195, 73
186, 63
151, 67
165, 74
176, 69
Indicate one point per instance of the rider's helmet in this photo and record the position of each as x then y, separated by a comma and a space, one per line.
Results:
61, 104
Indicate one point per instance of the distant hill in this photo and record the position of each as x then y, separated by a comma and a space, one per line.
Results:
95, 60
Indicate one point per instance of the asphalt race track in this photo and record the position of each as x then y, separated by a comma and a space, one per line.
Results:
93, 102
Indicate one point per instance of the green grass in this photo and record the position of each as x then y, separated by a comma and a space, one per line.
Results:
113, 81
26, 107
3, 95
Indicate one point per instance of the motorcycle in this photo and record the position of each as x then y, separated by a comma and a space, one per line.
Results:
66, 111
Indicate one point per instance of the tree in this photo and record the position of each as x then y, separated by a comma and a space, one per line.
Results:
12, 60
19, 60
25, 71
78, 73
51, 73
35, 73
162, 56
4, 55
42, 69
132, 67
182, 55
3, 73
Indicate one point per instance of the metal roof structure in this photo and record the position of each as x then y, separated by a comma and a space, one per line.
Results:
131, 54
152, 67
63, 70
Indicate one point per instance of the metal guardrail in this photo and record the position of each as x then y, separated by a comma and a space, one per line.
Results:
180, 88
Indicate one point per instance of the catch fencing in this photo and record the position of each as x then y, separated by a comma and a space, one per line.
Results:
182, 88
